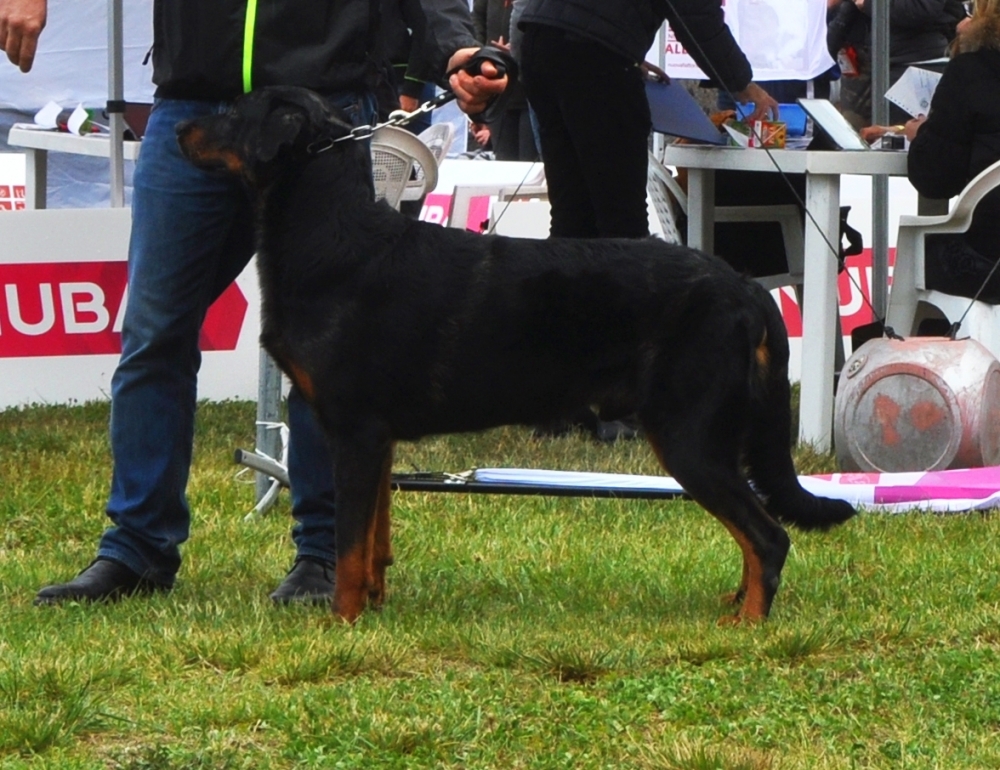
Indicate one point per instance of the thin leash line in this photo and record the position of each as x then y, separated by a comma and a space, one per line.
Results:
512, 196
953, 332
835, 251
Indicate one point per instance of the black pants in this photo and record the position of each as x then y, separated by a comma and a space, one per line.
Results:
511, 136
594, 127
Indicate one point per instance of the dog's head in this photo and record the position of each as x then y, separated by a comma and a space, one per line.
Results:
263, 132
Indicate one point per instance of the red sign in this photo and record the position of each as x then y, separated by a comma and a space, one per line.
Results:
436, 209
854, 286
76, 308
11, 197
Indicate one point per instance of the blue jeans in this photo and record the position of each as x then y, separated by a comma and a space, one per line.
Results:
192, 234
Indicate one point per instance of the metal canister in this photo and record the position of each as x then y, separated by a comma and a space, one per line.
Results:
926, 403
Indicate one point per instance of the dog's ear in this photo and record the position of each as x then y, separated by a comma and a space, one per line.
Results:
282, 128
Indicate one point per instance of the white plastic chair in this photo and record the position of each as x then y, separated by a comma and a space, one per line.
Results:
910, 301
438, 138
396, 155
668, 196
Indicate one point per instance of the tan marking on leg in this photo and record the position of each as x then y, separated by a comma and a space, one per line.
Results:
736, 597
755, 606
350, 592
751, 590
381, 544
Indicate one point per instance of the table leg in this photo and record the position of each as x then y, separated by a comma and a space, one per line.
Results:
819, 310
701, 209
36, 168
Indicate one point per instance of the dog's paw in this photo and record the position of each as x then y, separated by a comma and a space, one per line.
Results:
741, 619
734, 597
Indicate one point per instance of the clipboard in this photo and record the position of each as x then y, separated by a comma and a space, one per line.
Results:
676, 113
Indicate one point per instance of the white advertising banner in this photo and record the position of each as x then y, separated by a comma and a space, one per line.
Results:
63, 279
783, 39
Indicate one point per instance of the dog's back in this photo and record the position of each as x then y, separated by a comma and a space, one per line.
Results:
483, 331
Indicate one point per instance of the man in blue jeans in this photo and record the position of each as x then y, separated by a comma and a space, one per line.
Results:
192, 234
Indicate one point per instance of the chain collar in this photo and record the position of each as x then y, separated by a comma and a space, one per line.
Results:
396, 118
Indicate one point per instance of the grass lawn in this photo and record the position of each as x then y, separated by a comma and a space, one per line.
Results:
520, 632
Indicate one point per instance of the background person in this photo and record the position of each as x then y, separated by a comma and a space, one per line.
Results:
918, 30
192, 234
959, 138
510, 133
409, 78
580, 67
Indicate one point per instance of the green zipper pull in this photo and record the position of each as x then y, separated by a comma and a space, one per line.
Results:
248, 27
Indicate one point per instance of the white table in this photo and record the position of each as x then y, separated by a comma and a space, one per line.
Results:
823, 170
38, 144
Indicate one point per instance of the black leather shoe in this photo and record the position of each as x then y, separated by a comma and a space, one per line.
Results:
309, 581
104, 580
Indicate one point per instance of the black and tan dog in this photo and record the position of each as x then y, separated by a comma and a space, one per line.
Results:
395, 329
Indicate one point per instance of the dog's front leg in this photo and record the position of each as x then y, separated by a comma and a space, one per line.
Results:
360, 459
379, 535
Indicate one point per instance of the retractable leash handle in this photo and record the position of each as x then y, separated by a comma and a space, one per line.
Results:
505, 65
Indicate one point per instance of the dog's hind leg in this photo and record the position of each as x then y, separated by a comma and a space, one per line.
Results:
380, 545
736, 597
712, 478
362, 457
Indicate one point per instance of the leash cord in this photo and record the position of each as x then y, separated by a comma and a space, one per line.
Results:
835, 251
953, 331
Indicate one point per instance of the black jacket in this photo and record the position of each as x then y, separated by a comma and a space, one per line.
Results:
628, 27
960, 138
201, 51
918, 29
403, 28
491, 19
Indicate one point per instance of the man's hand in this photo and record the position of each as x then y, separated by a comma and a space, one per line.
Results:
481, 133
21, 22
473, 92
652, 72
765, 106
408, 103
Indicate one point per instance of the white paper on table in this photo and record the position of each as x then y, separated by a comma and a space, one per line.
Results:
48, 116
913, 91
78, 117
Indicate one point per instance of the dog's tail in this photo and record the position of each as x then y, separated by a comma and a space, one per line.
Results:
768, 454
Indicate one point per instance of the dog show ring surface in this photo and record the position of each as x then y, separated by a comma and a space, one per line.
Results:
922, 404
